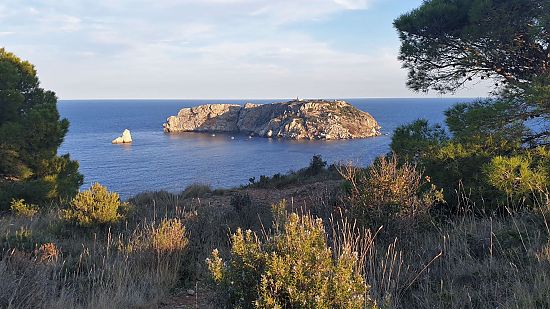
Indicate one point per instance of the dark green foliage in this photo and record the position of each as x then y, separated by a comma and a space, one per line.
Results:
486, 119
444, 44
249, 216
30, 133
317, 170
316, 165
412, 140
468, 159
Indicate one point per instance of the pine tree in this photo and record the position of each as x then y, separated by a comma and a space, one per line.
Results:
31, 131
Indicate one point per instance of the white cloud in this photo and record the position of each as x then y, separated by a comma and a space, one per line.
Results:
353, 4
195, 48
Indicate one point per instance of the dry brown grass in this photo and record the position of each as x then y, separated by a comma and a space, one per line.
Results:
120, 267
464, 262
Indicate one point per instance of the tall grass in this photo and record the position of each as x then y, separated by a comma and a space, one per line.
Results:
468, 260
127, 268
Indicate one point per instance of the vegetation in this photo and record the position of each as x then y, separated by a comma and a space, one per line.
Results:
20, 208
317, 170
505, 40
454, 217
389, 193
496, 151
292, 268
30, 134
95, 206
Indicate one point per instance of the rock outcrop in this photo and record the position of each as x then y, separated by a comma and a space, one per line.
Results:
124, 139
299, 119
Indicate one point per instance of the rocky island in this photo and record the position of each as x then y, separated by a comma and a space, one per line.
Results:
298, 119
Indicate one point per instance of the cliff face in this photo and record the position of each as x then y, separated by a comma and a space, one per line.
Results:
317, 119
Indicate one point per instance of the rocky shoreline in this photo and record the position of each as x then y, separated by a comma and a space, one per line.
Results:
297, 119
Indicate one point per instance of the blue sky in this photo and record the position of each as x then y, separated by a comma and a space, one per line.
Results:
211, 48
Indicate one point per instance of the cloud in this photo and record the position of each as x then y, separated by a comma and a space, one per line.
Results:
199, 48
353, 4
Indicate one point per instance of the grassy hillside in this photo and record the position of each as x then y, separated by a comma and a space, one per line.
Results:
155, 254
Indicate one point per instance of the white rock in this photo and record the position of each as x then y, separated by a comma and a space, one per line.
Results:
126, 136
124, 139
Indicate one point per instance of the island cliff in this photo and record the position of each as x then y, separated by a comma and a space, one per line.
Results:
298, 119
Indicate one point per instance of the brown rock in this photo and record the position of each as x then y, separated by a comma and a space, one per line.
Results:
299, 119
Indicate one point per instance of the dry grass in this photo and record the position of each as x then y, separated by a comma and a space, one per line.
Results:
78, 268
466, 261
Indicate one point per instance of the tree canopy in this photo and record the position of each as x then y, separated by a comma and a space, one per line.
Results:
446, 43
494, 144
31, 131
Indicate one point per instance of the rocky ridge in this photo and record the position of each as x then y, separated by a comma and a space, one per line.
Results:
298, 119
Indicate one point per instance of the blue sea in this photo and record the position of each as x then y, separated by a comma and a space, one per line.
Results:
161, 161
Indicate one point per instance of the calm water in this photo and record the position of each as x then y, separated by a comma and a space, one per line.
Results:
156, 160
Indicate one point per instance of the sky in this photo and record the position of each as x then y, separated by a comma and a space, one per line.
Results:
212, 49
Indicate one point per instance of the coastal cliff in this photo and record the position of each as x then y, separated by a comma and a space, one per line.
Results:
298, 119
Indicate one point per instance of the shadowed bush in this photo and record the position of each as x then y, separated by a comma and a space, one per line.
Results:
389, 191
196, 190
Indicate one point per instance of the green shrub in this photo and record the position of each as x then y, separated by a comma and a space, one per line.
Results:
96, 206
316, 166
20, 208
292, 268
249, 215
466, 162
32, 191
196, 190
517, 177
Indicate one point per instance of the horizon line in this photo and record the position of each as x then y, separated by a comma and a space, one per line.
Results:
219, 99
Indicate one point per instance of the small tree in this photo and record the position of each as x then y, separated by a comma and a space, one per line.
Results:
96, 206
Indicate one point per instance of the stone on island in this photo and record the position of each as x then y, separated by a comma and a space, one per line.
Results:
298, 119
124, 139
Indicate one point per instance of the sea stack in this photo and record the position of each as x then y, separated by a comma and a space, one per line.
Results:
297, 119
126, 138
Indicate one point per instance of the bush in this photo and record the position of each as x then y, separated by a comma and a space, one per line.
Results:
96, 206
169, 236
316, 166
32, 191
196, 190
388, 191
292, 268
472, 154
517, 177
20, 208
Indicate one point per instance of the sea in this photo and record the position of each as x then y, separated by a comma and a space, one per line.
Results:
162, 161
